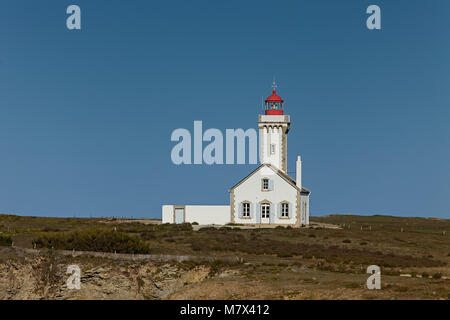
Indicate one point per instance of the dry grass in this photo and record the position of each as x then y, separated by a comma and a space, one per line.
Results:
287, 262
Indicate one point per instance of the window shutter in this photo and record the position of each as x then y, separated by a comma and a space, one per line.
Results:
272, 213
279, 211
270, 184
290, 213
252, 209
258, 214
305, 213
241, 210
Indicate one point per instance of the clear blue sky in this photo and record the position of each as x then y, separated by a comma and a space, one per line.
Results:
86, 116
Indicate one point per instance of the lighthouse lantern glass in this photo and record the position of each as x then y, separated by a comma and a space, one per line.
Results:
274, 106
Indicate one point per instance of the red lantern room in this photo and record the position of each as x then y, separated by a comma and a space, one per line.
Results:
274, 103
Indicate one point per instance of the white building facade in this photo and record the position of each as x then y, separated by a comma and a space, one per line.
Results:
268, 196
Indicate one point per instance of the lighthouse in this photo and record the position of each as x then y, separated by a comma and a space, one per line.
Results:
266, 197
273, 128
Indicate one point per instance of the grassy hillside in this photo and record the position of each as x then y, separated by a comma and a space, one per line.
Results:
283, 261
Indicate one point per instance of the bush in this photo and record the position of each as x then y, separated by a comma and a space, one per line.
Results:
5, 240
400, 289
352, 285
93, 240
216, 266
437, 275
258, 242
148, 235
284, 255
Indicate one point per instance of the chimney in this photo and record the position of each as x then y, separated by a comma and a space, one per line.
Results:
299, 172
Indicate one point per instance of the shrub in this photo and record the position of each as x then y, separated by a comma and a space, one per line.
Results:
352, 285
196, 246
50, 229
284, 255
148, 235
425, 275
437, 275
216, 266
93, 240
243, 241
400, 289
5, 240
194, 223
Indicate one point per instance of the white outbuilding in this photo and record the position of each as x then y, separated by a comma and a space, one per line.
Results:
267, 196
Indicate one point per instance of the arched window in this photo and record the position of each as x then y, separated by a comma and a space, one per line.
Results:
265, 210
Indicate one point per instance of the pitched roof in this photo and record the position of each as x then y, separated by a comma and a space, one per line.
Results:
279, 172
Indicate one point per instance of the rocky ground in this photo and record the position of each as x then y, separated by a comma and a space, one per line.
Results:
45, 277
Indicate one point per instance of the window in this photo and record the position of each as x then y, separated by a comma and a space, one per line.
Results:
272, 148
285, 210
265, 184
246, 210
265, 210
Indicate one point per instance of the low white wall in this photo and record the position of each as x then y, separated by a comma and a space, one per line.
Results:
208, 214
167, 214
200, 214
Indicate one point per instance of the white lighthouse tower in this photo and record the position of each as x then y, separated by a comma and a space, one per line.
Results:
273, 129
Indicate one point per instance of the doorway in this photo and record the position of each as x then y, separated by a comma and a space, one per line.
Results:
265, 213
179, 215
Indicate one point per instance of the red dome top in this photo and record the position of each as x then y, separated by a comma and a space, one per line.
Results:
274, 97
